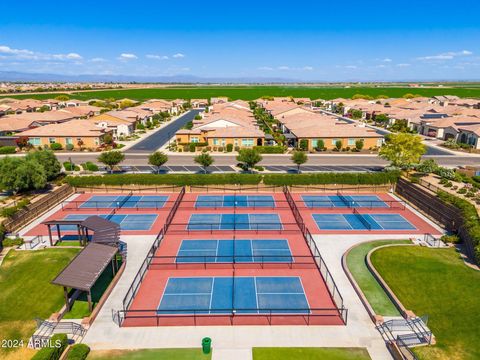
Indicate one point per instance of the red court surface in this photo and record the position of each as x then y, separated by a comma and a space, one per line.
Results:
71, 208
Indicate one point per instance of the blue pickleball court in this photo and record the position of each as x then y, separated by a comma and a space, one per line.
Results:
125, 201
216, 201
127, 222
343, 201
362, 222
234, 222
245, 295
228, 251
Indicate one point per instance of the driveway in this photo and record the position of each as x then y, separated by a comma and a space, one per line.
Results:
160, 138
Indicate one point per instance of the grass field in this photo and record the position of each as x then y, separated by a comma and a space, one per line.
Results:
310, 354
374, 293
150, 354
254, 92
436, 282
26, 292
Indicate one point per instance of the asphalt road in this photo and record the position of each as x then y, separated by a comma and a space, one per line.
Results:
333, 160
160, 138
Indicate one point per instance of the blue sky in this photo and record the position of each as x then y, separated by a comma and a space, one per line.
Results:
310, 40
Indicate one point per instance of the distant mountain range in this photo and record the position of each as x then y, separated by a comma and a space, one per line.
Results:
37, 77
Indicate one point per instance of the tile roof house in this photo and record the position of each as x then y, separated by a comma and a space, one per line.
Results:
67, 134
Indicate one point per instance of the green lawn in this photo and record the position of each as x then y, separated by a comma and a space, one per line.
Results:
68, 243
254, 92
374, 293
436, 282
80, 306
310, 354
150, 354
26, 292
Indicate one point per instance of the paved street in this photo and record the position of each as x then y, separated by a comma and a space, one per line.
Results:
160, 138
273, 160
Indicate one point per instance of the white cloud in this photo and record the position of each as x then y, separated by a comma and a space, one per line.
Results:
24, 54
283, 68
381, 66
403, 65
157, 57
446, 56
178, 56
351, 67
308, 68
8, 50
69, 56
387, 60
265, 68
98, 60
127, 56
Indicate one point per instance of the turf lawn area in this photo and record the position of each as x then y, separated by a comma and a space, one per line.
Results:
150, 354
310, 354
80, 306
26, 292
254, 92
68, 243
372, 290
436, 282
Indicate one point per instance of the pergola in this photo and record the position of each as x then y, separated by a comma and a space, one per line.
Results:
85, 269
104, 231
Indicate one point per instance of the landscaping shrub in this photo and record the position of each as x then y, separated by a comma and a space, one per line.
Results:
192, 147
453, 239
69, 147
68, 166
332, 178
8, 242
56, 146
8, 149
229, 147
304, 144
462, 191
163, 179
58, 343
470, 216
89, 166
78, 352
11, 210
270, 149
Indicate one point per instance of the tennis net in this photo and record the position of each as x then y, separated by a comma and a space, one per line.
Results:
362, 219
343, 198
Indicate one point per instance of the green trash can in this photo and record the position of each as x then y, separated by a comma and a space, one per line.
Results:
206, 345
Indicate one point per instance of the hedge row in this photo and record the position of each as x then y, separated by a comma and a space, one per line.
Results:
78, 352
167, 179
57, 345
470, 216
379, 178
270, 149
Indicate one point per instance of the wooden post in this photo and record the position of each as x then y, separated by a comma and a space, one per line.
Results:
58, 233
89, 298
79, 234
65, 294
50, 235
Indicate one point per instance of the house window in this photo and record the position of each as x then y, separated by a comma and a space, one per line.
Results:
235, 142
51, 140
247, 142
379, 142
35, 141
194, 139
334, 141
223, 142
215, 142
351, 142
69, 141
97, 141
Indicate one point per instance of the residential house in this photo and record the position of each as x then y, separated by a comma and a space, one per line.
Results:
67, 134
